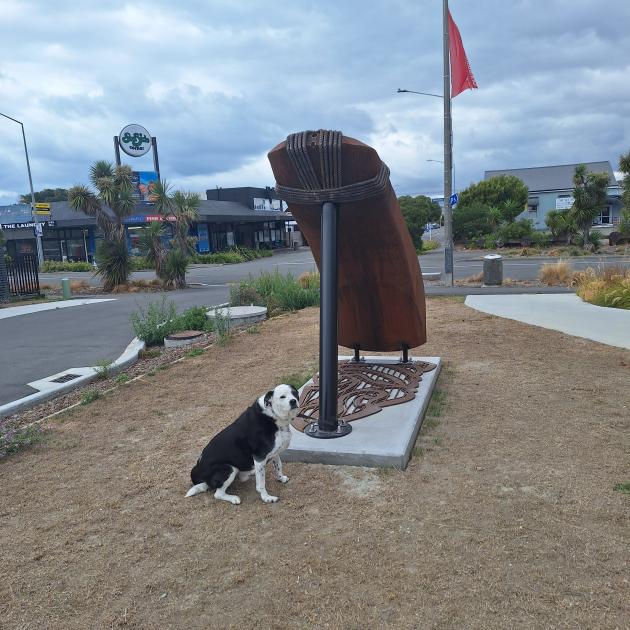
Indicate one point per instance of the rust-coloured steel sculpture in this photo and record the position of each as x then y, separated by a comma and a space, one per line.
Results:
380, 291
364, 389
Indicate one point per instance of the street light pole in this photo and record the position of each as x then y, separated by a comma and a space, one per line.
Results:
40, 251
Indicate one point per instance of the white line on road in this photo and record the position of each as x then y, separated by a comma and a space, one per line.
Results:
14, 311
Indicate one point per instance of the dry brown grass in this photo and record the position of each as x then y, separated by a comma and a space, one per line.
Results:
505, 517
137, 286
556, 274
307, 279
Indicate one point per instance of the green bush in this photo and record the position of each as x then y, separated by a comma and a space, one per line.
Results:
193, 318
49, 266
516, 231
428, 246
140, 263
156, 321
490, 241
218, 258
236, 254
279, 292
471, 221
14, 437
541, 239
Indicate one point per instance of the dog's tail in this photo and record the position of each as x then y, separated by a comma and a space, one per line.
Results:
197, 489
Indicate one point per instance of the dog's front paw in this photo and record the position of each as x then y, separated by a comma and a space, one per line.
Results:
234, 500
267, 498
283, 479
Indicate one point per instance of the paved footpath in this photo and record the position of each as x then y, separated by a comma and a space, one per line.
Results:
566, 313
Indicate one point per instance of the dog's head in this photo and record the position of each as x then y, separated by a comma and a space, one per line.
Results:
281, 402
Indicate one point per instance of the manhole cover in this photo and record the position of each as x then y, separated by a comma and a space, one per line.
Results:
65, 378
185, 334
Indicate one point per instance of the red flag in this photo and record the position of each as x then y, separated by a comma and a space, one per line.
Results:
461, 75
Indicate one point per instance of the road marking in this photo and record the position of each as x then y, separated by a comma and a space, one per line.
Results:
14, 311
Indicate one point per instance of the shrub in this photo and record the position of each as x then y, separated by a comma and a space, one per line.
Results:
428, 246
556, 274
50, 266
541, 239
515, 231
193, 318
490, 241
219, 258
156, 321
471, 221
102, 370
220, 324
140, 263
14, 437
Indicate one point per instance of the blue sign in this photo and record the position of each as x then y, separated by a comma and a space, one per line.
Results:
203, 243
454, 198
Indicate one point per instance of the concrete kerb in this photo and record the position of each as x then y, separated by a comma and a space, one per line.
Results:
49, 389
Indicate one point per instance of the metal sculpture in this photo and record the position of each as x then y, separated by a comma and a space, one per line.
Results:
364, 389
372, 295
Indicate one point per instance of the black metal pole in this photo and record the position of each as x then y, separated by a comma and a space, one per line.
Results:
328, 425
328, 320
117, 150
156, 161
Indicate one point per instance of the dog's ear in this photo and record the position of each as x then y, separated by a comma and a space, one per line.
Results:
268, 397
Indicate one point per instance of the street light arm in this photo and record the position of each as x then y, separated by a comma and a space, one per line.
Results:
13, 119
400, 91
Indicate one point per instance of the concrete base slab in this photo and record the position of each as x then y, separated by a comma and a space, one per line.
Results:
382, 440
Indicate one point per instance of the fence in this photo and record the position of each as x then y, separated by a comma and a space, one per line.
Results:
23, 276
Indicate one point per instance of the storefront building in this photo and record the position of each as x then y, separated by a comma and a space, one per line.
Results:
72, 236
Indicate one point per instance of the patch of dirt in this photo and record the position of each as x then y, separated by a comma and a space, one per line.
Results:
505, 517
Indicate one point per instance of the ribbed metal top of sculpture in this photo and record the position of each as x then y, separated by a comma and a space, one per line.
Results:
312, 190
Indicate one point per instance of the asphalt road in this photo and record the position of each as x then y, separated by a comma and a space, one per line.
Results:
40, 344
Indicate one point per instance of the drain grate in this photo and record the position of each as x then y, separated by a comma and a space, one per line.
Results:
65, 378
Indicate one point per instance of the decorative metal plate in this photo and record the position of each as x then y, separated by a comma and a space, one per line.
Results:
364, 389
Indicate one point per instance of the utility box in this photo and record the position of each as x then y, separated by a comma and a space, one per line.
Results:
492, 270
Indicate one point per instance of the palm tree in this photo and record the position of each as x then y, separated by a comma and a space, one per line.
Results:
179, 210
151, 245
111, 203
589, 196
495, 217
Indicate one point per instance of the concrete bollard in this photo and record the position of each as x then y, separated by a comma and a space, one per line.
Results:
65, 289
492, 270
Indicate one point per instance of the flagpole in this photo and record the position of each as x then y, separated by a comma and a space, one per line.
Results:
448, 156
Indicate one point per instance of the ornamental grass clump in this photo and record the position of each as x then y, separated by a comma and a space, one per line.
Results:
609, 286
557, 274
278, 292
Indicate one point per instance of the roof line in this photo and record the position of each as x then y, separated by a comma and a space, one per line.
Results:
528, 168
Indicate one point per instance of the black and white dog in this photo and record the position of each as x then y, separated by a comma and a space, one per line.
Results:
258, 435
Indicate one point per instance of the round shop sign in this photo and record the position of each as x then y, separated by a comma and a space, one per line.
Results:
134, 140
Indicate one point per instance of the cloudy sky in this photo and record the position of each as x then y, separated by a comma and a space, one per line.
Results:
220, 82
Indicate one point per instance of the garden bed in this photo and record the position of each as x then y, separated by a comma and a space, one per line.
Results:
512, 512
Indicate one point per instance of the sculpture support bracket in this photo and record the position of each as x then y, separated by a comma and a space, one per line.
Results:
328, 425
